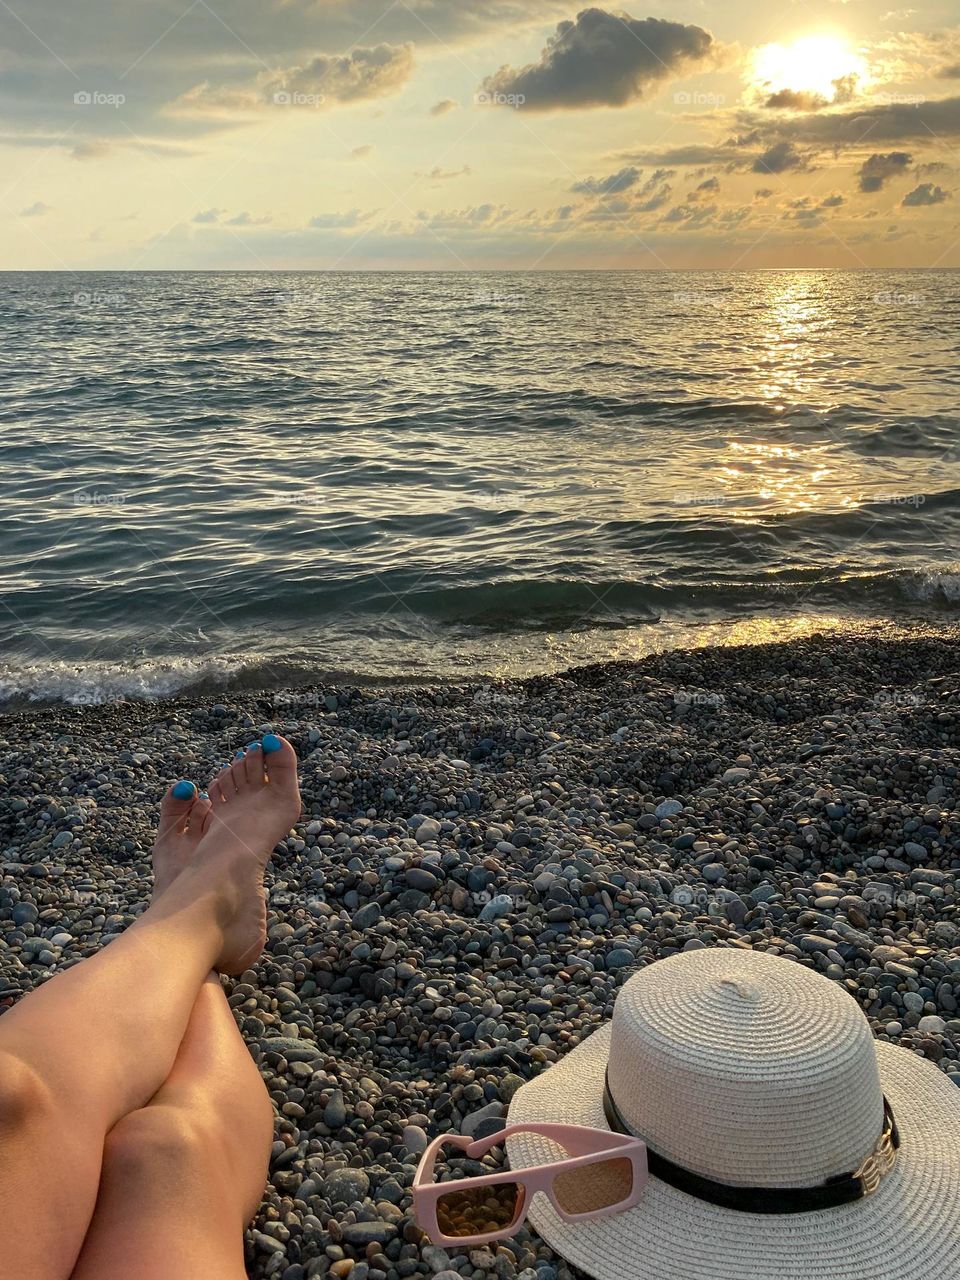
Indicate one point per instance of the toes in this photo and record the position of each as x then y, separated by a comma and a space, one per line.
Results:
175, 807
223, 788
279, 758
197, 817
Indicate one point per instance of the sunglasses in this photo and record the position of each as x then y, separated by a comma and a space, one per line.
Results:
602, 1173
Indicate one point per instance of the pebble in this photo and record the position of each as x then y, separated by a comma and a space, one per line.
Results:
476, 876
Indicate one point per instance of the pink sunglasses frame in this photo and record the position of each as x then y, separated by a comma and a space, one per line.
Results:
587, 1146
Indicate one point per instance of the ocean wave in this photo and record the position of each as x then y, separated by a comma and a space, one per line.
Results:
95, 683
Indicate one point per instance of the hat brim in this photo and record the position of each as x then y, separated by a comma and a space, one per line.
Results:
909, 1229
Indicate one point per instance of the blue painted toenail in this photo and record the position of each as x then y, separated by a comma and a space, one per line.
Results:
204, 795
184, 791
253, 746
272, 743
240, 754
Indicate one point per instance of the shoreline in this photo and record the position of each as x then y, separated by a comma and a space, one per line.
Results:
481, 866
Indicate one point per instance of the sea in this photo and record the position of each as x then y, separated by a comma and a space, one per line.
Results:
226, 480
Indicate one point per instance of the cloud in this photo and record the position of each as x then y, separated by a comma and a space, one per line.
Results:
949, 72
602, 60
779, 157
763, 193
612, 184
656, 201
810, 212
362, 153
246, 220
207, 215
336, 221
444, 107
929, 121
694, 154
709, 185
689, 216
878, 169
926, 193
322, 81
439, 174
36, 210
794, 100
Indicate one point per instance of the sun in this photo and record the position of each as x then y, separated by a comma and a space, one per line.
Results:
811, 66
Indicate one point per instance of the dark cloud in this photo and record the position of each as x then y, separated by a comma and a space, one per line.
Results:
779, 157
832, 202
655, 201
246, 220
950, 72
323, 80
35, 210
925, 122
794, 100
878, 169
926, 193
602, 60
695, 154
444, 107
207, 215
612, 184
763, 193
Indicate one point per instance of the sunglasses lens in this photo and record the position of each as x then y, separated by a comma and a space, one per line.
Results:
479, 1211
594, 1187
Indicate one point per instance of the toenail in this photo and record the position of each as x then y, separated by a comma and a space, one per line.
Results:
253, 746
240, 754
204, 795
184, 791
272, 743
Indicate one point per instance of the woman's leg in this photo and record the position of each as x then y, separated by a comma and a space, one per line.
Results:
182, 1176
97, 1041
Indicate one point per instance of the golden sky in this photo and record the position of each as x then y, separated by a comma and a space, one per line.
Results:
475, 134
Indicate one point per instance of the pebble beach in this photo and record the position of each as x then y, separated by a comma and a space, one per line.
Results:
480, 867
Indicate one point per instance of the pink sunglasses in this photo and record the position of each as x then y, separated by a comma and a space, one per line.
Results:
604, 1173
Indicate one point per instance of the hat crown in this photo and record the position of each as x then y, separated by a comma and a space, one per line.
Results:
746, 1068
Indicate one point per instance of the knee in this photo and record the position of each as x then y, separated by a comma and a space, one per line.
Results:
158, 1141
24, 1095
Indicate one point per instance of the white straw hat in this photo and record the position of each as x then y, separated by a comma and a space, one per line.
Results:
753, 1079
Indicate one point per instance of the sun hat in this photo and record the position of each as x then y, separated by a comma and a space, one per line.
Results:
755, 1082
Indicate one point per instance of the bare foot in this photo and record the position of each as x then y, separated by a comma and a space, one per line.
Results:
183, 813
253, 804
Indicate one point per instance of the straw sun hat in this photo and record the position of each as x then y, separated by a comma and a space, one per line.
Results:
753, 1080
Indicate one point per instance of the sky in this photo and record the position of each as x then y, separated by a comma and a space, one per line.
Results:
478, 134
